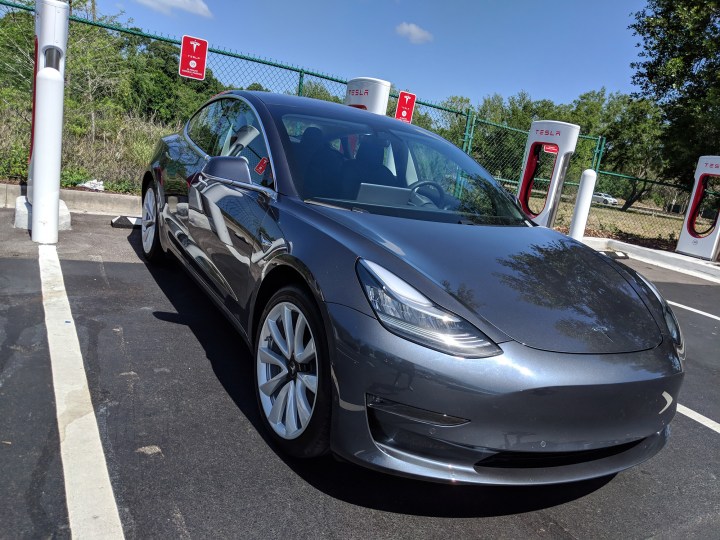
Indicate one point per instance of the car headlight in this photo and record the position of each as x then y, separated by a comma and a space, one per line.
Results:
670, 320
407, 313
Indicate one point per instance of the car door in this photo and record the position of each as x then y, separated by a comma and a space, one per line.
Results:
184, 156
226, 217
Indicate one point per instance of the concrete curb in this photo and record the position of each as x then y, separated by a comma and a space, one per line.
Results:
23, 215
81, 202
666, 259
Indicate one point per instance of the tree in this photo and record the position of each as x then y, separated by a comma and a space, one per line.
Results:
679, 67
16, 69
316, 90
256, 86
451, 125
94, 73
633, 132
155, 90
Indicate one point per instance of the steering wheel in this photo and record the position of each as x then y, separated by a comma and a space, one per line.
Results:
437, 201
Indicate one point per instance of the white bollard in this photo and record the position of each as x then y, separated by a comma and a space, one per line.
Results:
46, 156
582, 204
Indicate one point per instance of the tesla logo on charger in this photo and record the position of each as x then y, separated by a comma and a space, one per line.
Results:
357, 92
193, 57
548, 132
709, 165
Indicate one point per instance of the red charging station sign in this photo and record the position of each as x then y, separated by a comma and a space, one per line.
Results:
405, 107
193, 57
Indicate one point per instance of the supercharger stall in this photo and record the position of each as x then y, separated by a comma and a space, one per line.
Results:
548, 150
700, 234
368, 94
43, 194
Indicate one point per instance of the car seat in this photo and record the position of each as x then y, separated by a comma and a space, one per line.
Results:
368, 167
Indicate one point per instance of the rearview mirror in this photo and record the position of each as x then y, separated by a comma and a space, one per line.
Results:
229, 169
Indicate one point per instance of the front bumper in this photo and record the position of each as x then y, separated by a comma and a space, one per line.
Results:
523, 417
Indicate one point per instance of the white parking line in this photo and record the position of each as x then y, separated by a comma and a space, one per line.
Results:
704, 420
694, 310
92, 511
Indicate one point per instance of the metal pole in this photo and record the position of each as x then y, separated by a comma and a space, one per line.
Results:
582, 204
600, 151
300, 83
469, 127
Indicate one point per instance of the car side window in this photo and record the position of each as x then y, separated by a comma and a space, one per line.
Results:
205, 127
242, 136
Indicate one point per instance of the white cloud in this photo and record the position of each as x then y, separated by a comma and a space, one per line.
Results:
199, 7
415, 34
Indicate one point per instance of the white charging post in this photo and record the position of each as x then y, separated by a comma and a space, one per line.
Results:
368, 94
556, 141
698, 238
582, 204
51, 35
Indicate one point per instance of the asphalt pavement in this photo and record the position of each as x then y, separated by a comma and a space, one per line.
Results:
171, 388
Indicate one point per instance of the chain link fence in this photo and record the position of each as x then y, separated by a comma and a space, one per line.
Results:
640, 211
97, 146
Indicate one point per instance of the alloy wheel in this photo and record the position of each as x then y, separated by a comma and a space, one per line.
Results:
287, 370
149, 218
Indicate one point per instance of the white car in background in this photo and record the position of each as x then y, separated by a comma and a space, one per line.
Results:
604, 198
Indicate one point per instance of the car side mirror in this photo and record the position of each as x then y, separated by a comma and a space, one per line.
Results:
232, 169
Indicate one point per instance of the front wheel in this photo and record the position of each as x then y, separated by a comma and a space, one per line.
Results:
292, 374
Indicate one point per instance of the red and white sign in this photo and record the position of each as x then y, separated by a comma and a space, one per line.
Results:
193, 57
262, 165
551, 148
405, 107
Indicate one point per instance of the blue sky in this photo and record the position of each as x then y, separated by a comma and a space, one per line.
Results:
553, 50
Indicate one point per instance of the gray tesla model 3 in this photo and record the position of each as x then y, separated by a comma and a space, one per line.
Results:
401, 310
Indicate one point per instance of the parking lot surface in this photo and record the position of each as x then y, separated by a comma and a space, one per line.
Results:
172, 392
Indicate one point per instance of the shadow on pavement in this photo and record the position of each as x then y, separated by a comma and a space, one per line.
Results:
344, 481
363, 487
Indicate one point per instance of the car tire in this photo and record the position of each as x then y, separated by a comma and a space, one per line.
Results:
605, 201
149, 231
292, 374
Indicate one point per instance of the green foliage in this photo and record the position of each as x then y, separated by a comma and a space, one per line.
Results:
124, 186
452, 126
122, 93
152, 87
678, 68
317, 90
72, 176
14, 162
256, 86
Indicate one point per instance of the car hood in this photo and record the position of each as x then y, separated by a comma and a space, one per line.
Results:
537, 286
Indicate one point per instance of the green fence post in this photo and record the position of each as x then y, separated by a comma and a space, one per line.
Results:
469, 129
472, 133
300, 83
599, 150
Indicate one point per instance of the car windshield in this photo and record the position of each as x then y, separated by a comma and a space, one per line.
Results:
374, 166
